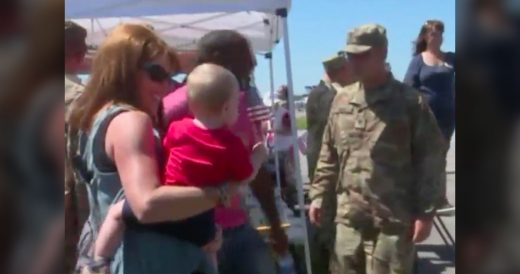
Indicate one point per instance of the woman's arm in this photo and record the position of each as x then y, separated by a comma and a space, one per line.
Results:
130, 143
175, 105
412, 74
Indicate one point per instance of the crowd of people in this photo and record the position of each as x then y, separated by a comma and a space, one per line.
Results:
129, 145
156, 170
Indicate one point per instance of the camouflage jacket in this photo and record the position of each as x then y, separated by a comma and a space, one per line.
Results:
76, 201
317, 109
73, 88
382, 154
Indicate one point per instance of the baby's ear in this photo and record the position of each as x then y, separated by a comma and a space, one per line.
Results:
226, 106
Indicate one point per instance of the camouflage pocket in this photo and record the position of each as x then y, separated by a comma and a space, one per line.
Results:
356, 210
345, 119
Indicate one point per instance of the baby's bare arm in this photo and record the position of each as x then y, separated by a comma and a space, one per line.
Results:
110, 233
258, 157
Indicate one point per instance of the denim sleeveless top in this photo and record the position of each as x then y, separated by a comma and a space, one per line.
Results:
141, 251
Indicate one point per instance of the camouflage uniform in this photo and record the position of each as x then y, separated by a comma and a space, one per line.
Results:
76, 201
317, 110
382, 153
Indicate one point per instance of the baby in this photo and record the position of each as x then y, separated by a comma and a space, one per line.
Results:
201, 152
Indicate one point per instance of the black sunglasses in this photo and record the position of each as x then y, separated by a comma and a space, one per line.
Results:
157, 73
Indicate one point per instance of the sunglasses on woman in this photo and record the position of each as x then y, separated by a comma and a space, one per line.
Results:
157, 73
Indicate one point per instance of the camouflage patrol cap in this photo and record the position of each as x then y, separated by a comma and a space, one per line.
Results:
335, 61
364, 37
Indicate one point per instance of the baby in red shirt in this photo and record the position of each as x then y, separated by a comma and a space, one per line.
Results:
202, 152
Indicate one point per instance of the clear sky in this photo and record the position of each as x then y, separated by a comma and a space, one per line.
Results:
318, 29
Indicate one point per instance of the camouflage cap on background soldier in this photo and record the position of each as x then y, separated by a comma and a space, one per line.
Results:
335, 61
363, 38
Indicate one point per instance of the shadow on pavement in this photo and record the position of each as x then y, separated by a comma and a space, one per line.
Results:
444, 258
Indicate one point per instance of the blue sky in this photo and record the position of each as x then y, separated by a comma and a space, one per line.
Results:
318, 29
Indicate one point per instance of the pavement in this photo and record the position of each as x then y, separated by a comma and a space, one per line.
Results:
434, 257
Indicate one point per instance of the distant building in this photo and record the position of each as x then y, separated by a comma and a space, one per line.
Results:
308, 89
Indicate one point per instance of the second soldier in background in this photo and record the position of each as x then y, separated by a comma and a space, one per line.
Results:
338, 73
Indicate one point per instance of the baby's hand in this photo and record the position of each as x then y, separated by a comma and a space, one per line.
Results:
260, 152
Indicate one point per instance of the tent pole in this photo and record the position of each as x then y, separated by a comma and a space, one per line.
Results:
276, 158
292, 113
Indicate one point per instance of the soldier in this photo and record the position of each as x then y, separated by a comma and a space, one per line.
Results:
382, 154
75, 50
76, 204
338, 73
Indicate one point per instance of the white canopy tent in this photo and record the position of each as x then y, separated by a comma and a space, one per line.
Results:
182, 31
182, 22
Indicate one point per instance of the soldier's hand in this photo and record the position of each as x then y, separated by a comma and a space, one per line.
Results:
315, 214
421, 230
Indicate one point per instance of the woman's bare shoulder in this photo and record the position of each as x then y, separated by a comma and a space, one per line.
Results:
130, 125
132, 116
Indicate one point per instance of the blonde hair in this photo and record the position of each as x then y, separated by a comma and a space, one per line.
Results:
210, 87
114, 71
420, 43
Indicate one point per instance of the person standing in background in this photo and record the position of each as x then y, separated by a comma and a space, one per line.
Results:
432, 72
243, 249
75, 51
282, 146
338, 73
76, 202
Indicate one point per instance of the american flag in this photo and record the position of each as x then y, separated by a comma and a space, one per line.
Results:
259, 116
259, 113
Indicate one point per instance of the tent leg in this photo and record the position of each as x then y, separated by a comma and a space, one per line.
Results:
276, 158
295, 140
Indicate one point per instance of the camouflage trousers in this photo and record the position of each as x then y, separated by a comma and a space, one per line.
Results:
372, 252
321, 242
323, 236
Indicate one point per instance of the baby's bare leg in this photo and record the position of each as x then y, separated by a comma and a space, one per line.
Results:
212, 247
213, 257
110, 233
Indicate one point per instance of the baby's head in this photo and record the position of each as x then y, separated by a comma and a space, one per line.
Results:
213, 93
